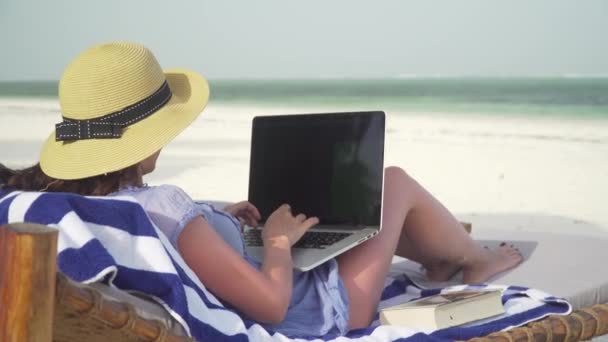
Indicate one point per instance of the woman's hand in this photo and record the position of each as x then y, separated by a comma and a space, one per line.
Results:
282, 226
245, 212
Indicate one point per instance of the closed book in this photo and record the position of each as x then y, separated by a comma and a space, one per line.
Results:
444, 310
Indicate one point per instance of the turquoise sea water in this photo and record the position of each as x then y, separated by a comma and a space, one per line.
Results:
585, 97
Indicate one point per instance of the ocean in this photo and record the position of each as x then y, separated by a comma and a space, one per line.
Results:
582, 97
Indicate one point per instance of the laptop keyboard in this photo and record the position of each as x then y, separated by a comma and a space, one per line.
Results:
318, 240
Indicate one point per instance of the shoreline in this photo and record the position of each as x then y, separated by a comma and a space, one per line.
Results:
261, 107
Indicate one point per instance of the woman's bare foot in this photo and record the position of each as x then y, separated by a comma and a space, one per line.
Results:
494, 261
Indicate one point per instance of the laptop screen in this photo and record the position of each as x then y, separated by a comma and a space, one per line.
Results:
325, 165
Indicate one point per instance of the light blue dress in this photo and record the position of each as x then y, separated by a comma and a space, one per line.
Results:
319, 303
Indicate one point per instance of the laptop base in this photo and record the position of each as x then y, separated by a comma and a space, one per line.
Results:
305, 259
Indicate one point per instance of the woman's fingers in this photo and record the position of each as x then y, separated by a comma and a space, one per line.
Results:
245, 211
256, 213
251, 220
311, 221
282, 222
305, 225
253, 213
284, 208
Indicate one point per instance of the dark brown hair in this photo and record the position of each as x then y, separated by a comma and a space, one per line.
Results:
34, 179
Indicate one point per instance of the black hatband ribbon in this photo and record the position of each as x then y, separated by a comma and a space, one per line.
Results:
110, 126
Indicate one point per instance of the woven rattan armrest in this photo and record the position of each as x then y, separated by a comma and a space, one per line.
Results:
40, 304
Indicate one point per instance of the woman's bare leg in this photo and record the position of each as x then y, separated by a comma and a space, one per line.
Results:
416, 226
363, 269
433, 237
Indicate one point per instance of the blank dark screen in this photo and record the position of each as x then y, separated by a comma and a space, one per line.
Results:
324, 165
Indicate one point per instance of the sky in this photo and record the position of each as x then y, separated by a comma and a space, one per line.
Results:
282, 39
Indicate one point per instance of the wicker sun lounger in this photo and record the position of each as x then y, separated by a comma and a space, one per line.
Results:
39, 304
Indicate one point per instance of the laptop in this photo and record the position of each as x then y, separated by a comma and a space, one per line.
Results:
328, 165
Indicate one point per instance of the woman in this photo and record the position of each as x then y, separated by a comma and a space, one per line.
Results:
119, 109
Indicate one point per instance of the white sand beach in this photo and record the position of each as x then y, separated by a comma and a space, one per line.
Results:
519, 165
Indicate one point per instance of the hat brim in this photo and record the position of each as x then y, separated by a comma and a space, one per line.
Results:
91, 157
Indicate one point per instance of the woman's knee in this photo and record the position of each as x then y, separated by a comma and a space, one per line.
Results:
394, 171
395, 176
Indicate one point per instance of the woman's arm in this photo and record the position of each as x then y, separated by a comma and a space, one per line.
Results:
263, 296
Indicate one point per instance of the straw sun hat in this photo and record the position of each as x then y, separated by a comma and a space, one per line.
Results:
118, 108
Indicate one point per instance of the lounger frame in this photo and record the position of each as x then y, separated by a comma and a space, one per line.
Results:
37, 303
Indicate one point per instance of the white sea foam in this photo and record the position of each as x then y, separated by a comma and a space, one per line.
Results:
471, 162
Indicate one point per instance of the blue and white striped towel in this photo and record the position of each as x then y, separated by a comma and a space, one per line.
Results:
112, 240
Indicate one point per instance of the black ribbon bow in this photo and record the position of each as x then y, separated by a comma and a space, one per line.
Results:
110, 126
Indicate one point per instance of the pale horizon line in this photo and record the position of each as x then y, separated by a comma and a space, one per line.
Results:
362, 78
